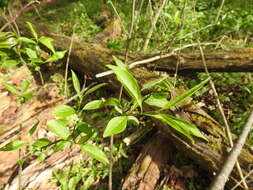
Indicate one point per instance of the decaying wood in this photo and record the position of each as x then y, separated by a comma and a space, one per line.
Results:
90, 59
148, 167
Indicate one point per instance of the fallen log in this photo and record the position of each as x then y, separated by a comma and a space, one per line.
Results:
90, 59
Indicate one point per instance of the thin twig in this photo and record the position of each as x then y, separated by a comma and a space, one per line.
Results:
153, 24
155, 58
17, 15
228, 133
227, 168
67, 63
245, 177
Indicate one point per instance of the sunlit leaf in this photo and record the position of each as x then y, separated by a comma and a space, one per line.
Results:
42, 142
33, 31
34, 127
11, 88
76, 82
128, 81
7, 63
111, 102
158, 99
95, 153
182, 126
61, 145
95, 104
94, 88
115, 126
8, 43
31, 53
152, 83
48, 42
56, 56
63, 111
14, 145
26, 40
133, 119
25, 85
185, 95
58, 127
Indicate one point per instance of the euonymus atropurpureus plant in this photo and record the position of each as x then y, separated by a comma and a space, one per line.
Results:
71, 130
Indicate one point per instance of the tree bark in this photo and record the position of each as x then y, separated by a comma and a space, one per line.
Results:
90, 59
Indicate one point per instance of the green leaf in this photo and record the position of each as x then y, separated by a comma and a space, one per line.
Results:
128, 82
26, 40
58, 127
42, 142
95, 104
61, 145
27, 95
48, 42
133, 119
56, 56
152, 83
8, 43
111, 102
83, 127
7, 63
94, 88
25, 85
14, 145
11, 88
34, 127
63, 111
158, 99
115, 126
32, 54
95, 153
34, 33
36, 60
182, 126
185, 95
76, 82
167, 119
119, 63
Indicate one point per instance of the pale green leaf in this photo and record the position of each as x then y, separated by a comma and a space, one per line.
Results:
7, 63
115, 126
8, 43
25, 85
42, 142
94, 88
32, 54
34, 33
152, 83
63, 111
119, 62
26, 40
95, 104
61, 145
58, 127
34, 127
185, 95
95, 153
56, 56
48, 42
14, 145
76, 82
11, 88
133, 119
158, 99
128, 81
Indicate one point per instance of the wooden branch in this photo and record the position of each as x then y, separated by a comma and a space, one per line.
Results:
222, 178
